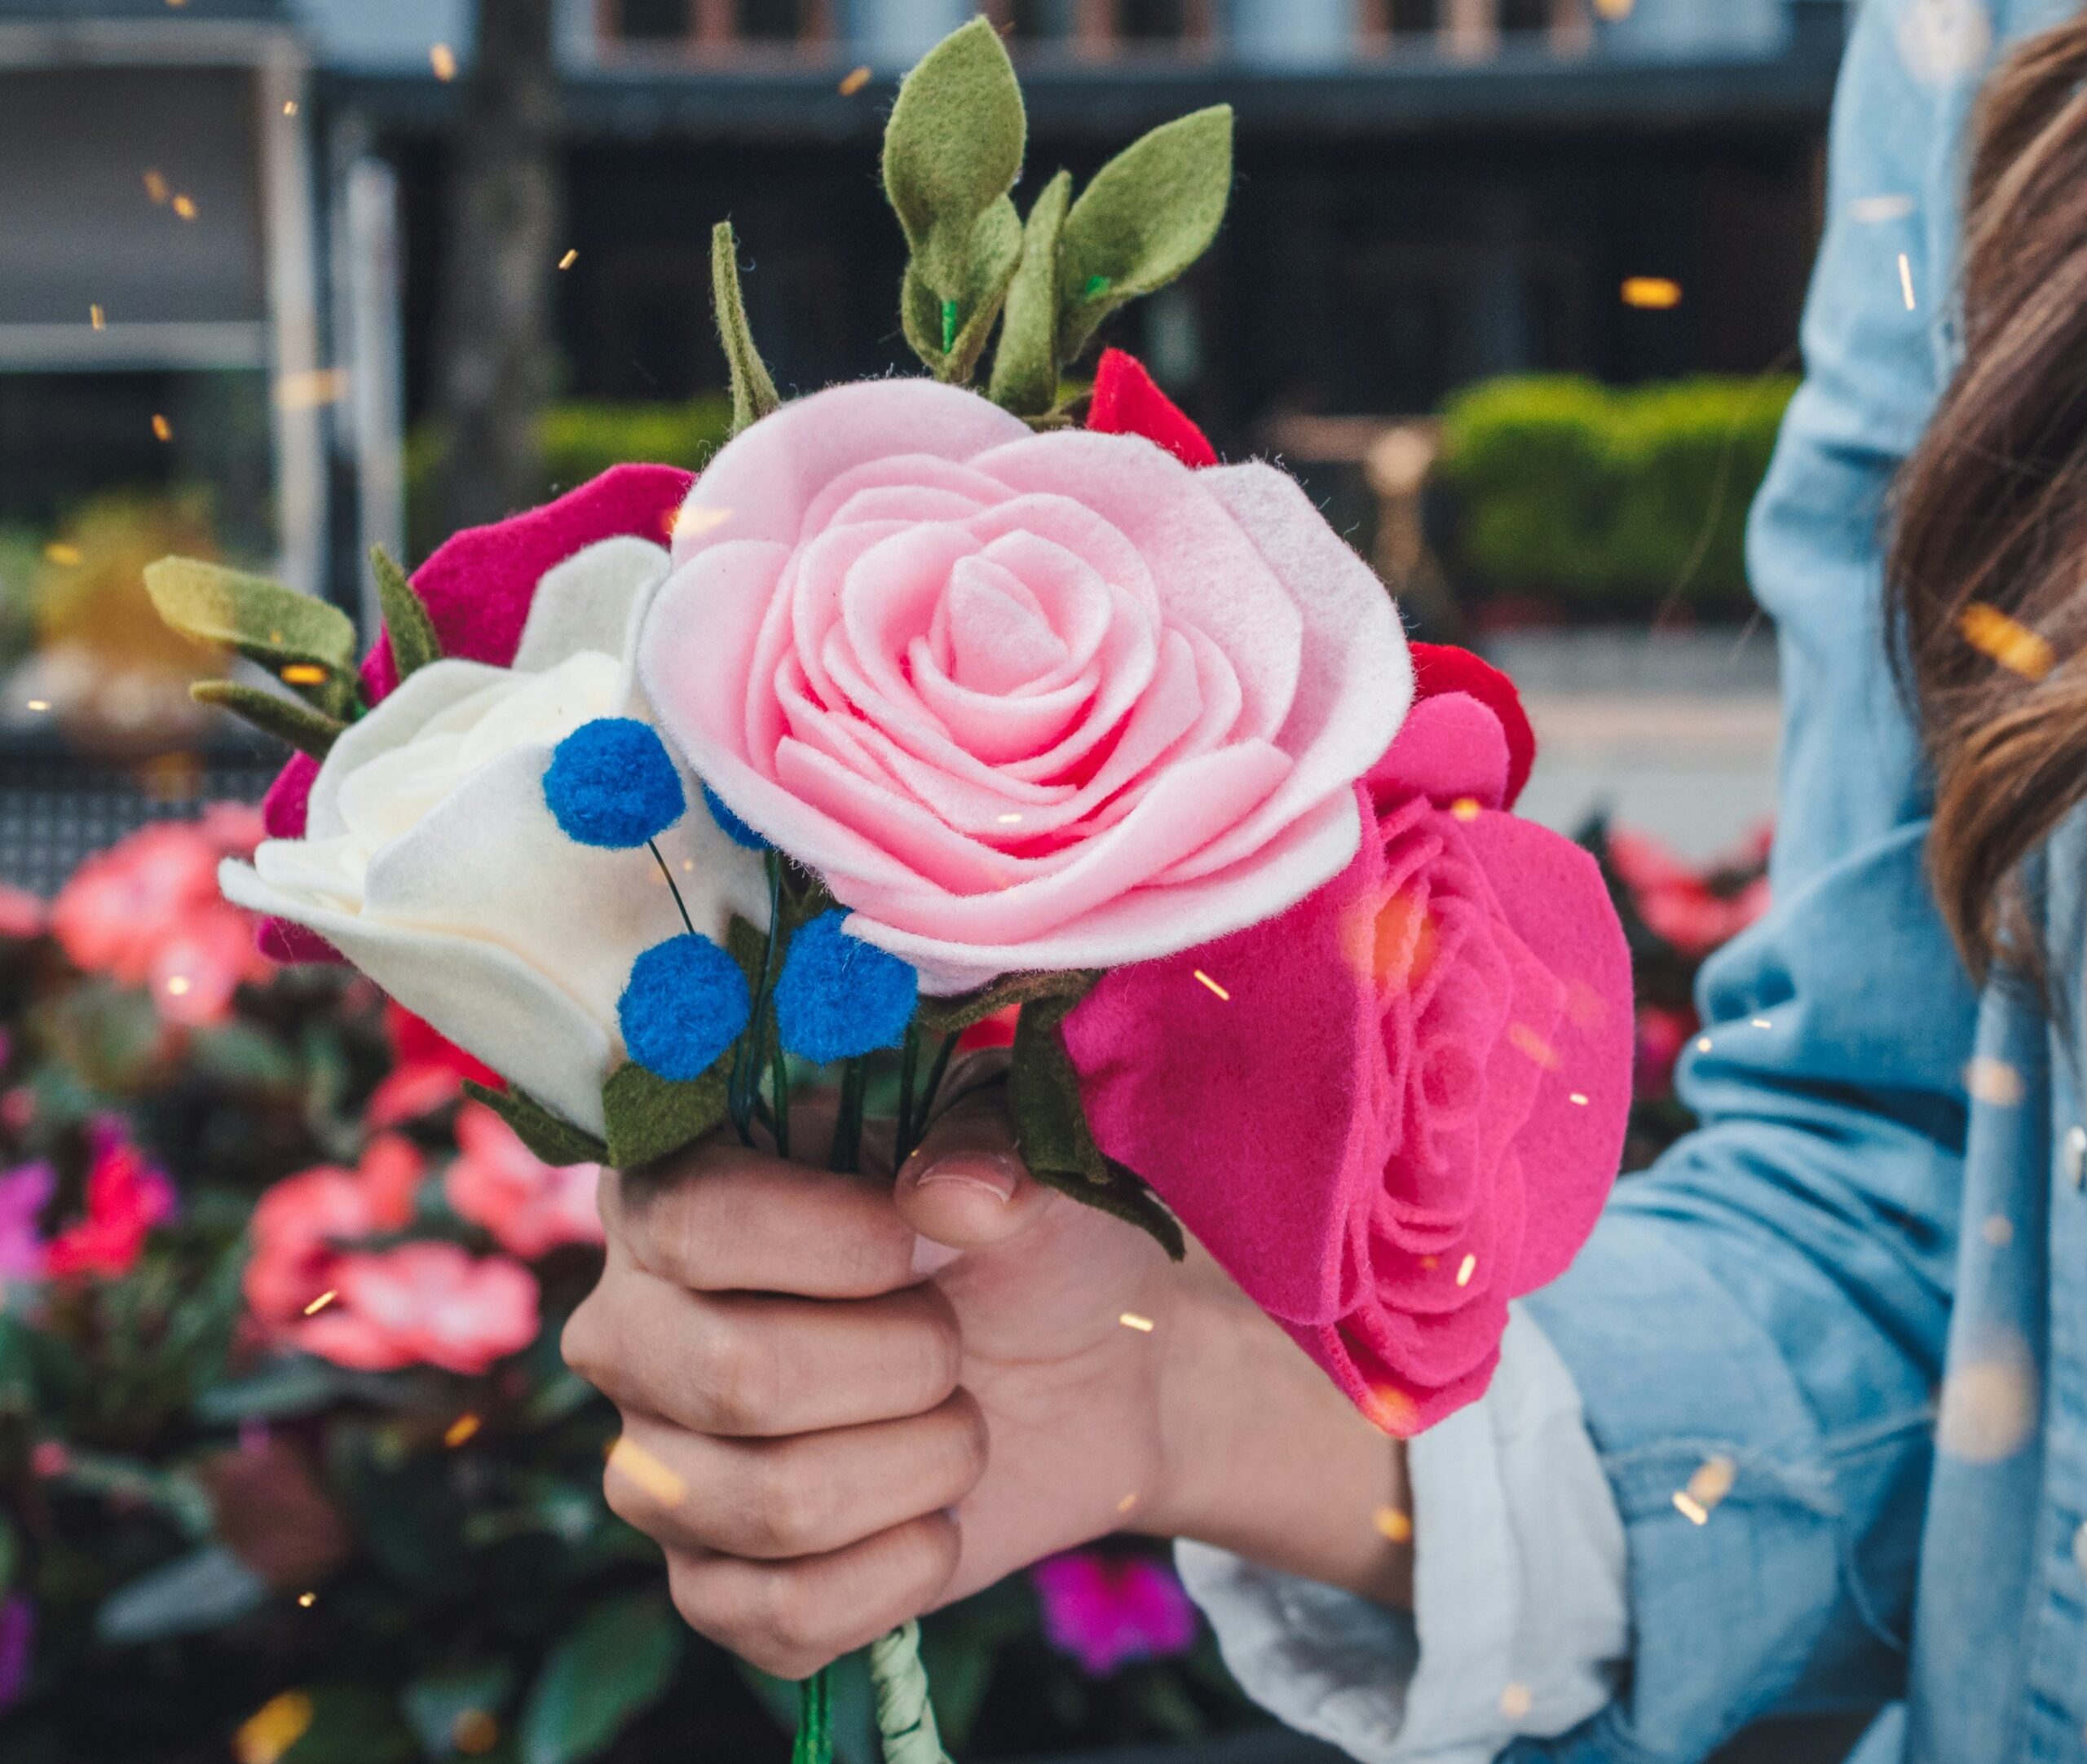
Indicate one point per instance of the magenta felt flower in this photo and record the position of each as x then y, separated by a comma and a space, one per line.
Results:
1401, 1103
1106, 1612
1023, 700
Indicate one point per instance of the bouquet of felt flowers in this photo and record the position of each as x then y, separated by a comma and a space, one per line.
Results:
924, 706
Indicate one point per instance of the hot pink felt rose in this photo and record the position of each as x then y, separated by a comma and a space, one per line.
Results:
1406, 1104
1025, 700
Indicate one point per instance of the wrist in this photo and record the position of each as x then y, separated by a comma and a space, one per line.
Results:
1263, 1455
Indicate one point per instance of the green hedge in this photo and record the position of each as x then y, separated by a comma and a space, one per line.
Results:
582, 439
1608, 499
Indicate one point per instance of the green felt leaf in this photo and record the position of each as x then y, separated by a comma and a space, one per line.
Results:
1025, 367
550, 1136
613, 1665
949, 334
651, 1118
414, 643
1052, 1134
262, 620
1150, 213
308, 730
952, 149
753, 390
948, 1016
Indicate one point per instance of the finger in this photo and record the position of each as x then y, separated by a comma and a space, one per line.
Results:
751, 1366
966, 1186
792, 1618
731, 1219
807, 1496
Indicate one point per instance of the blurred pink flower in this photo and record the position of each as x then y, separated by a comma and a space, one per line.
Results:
1678, 903
423, 1304
146, 912
300, 1224
1106, 1611
24, 1191
21, 913
430, 1074
531, 1207
127, 1196
1662, 1035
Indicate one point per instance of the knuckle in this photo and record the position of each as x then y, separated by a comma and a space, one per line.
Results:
974, 1439
792, 1510
939, 1346
740, 1379
584, 1341
792, 1624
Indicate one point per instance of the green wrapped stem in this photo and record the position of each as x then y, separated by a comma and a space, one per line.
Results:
906, 1717
814, 1743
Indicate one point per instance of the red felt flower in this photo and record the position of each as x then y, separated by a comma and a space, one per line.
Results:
1401, 1103
1127, 401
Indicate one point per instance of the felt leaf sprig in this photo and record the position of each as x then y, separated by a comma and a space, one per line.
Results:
753, 390
307, 643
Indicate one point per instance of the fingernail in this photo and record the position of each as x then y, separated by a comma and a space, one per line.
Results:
930, 1258
994, 1172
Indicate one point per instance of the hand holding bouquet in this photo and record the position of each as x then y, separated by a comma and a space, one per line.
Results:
923, 706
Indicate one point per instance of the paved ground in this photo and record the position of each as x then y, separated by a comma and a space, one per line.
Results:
1674, 734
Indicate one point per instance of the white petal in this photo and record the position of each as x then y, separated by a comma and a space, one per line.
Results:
584, 603
418, 699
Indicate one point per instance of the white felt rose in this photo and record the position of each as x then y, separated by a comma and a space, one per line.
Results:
431, 860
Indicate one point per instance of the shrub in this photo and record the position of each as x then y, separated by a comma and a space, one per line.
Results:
1607, 500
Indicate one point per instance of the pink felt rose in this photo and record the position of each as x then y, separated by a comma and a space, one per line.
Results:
1407, 1104
1025, 700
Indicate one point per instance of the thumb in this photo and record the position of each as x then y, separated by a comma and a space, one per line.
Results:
965, 1188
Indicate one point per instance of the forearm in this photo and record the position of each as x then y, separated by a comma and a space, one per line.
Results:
1265, 1458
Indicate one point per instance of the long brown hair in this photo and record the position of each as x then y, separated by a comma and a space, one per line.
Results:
1988, 557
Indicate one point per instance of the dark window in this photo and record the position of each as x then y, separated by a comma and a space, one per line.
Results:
1524, 14
1153, 20
1049, 21
770, 21
653, 20
1414, 17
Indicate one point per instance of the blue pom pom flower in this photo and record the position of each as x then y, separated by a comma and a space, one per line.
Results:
685, 1003
612, 784
729, 824
839, 997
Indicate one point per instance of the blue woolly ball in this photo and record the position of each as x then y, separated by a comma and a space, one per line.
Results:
686, 1004
611, 783
839, 997
729, 824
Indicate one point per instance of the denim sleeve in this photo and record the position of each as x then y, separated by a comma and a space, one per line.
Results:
1770, 1300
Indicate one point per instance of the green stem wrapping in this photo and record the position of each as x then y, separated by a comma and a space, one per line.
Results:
747, 1058
814, 1743
909, 1065
779, 1088
905, 1717
936, 1074
847, 1157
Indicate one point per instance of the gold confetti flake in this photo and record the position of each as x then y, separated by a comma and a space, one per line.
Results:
693, 523
1526, 1041
1578, 1099
162, 430
1394, 1524
39, 704
1993, 1081
2010, 643
1879, 210
1690, 1508
1009, 820
320, 1303
1762, 1022
1704, 1044
184, 205
64, 556
1465, 809
304, 674
1906, 281
1465, 1269
177, 986
1712, 1482
97, 318
1998, 1231
571, 258
1132, 1321
1516, 1700
289, 107
1652, 293
1128, 1502
463, 1427
443, 59
307, 1600
272, 1729
629, 1459
155, 185
1989, 1408
1213, 985
853, 81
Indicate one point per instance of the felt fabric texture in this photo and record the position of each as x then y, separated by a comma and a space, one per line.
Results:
1440, 667
1408, 1104
432, 860
1128, 400
839, 997
612, 784
729, 824
686, 1002
1024, 701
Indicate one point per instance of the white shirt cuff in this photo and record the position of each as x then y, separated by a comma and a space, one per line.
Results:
1520, 1620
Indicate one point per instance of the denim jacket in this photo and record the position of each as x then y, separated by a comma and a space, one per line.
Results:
1862, 1284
